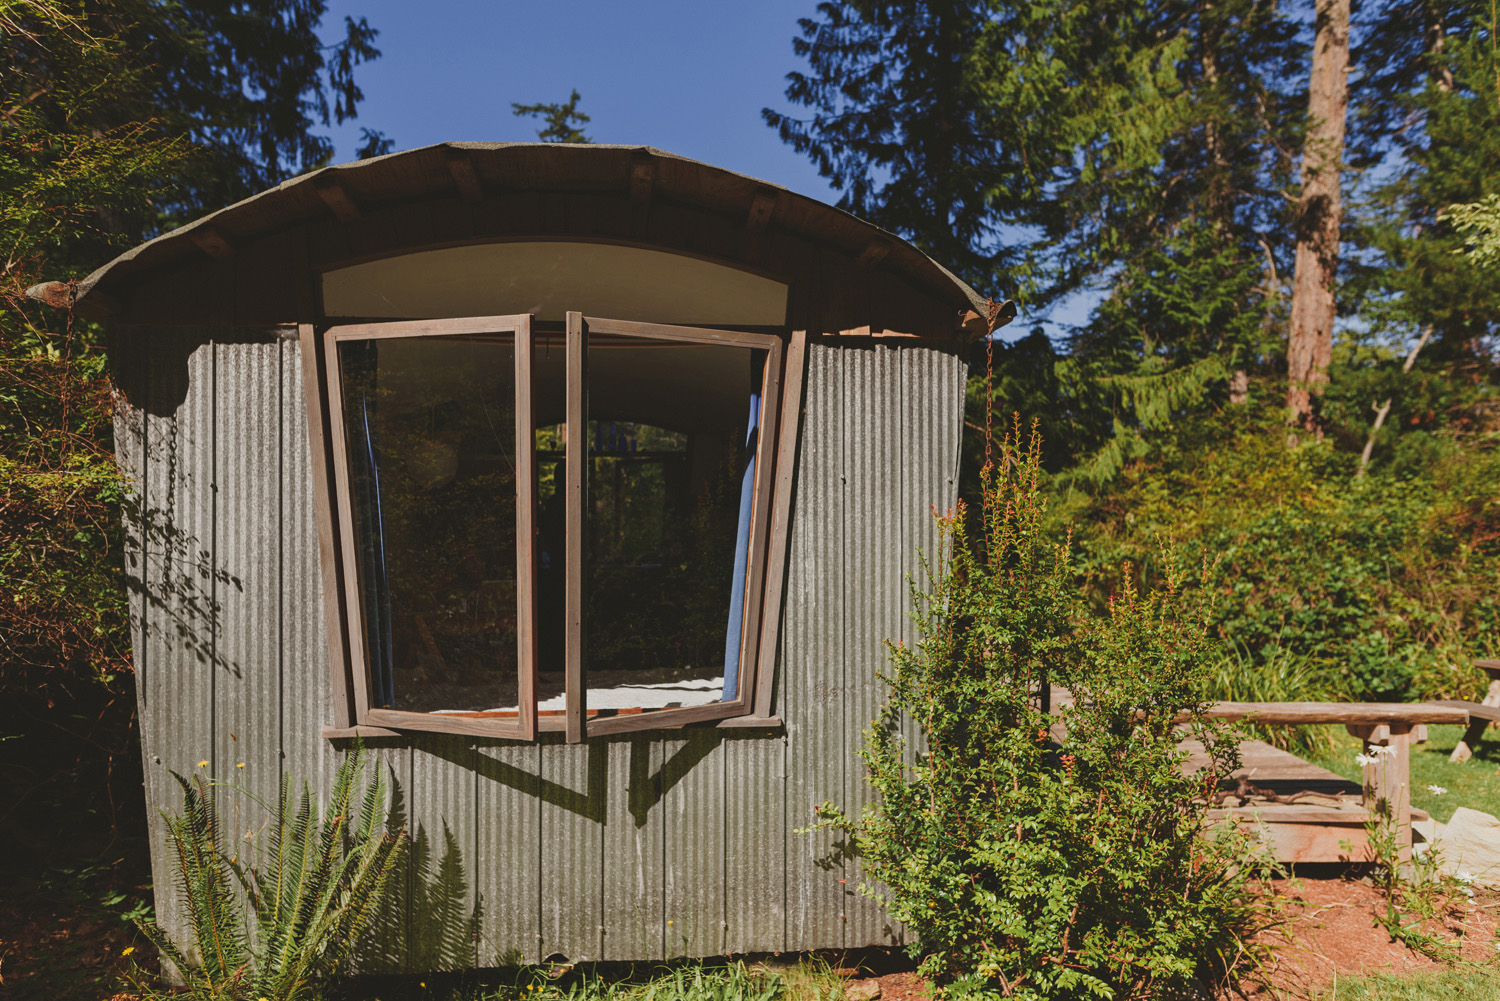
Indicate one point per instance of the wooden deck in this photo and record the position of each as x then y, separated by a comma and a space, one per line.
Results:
1326, 820
1325, 824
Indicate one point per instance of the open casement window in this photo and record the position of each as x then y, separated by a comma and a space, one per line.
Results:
431, 426
668, 479
558, 527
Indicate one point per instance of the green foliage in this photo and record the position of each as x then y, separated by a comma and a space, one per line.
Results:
116, 118
1418, 890
1382, 587
810, 979
1444, 149
1479, 222
1137, 150
309, 892
559, 120
1039, 870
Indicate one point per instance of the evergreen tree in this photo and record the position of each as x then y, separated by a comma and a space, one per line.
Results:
1139, 147
559, 120
1426, 132
116, 119
1319, 215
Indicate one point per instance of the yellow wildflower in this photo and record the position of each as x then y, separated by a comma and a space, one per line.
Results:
240, 765
203, 763
127, 950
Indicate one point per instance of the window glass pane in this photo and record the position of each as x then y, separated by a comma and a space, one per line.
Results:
550, 390
430, 425
671, 467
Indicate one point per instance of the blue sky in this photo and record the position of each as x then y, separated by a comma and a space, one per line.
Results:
688, 76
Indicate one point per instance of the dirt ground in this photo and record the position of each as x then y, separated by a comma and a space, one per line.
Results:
1330, 928
1325, 927
66, 947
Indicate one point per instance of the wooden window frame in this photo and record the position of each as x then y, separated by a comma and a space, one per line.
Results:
522, 726
579, 328
781, 400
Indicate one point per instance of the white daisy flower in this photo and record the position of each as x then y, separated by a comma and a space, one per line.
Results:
1437, 790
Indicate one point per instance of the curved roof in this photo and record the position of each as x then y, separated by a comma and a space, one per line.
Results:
468, 169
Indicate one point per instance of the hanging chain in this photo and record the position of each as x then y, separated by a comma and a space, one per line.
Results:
993, 314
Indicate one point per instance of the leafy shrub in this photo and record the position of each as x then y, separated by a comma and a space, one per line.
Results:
1385, 587
1041, 870
310, 892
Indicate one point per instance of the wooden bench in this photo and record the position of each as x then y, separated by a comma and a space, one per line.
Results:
1481, 714
1308, 834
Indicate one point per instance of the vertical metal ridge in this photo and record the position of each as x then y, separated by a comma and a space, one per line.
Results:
813, 660
442, 907
507, 850
245, 574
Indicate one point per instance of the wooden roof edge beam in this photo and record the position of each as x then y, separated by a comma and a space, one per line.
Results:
67, 295
642, 179
211, 242
336, 198
465, 177
762, 208
875, 251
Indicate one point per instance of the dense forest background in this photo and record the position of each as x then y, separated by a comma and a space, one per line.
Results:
1280, 212
119, 119
1286, 217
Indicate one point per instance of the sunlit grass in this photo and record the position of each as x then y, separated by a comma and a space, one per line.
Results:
809, 979
1474, 783
1463, 983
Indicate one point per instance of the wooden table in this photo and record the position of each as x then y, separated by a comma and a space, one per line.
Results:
1481, 714
1387, 780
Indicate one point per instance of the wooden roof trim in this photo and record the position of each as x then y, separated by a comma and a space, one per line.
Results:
465, 177
335, 197
429, 173
212, 242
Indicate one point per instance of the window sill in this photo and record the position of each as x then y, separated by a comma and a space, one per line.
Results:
733, 723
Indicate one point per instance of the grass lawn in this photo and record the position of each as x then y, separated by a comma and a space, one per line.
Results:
1464, 983
1475, 783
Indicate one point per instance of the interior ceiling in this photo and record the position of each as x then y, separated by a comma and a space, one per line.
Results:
548, 278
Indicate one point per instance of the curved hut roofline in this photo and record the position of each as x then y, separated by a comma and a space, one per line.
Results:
471, 170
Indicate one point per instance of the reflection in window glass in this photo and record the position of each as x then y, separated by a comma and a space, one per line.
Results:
671, 469
430, 426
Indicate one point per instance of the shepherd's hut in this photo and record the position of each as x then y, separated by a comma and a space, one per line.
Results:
584, 484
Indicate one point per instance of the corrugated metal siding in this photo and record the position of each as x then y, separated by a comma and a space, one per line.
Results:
636, 847
813, 659
507, 855
634, 838
246, 568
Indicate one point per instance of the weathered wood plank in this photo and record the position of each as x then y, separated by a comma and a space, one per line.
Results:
1337, 712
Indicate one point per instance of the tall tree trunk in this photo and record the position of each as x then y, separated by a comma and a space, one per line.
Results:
1319, 212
